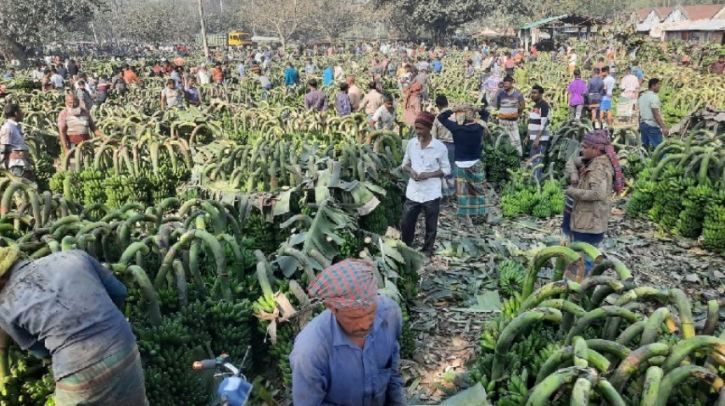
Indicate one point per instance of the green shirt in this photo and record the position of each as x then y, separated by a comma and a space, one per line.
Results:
648, 101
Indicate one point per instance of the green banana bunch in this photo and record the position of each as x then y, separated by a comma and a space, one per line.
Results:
511, 278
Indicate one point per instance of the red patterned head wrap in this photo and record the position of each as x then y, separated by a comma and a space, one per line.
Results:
599, 139
425, 118
350, 284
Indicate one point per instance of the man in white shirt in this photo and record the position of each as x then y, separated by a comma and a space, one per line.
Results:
14, 152
628, 98
426, 160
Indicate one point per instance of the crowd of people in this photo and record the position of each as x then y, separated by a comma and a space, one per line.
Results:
95, 358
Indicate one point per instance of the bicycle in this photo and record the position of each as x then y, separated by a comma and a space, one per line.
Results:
234, 390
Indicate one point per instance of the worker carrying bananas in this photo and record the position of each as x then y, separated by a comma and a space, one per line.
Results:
349, 354
15, 153
65, 306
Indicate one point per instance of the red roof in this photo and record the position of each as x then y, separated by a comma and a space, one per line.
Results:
663, 11
705, 12
643, 13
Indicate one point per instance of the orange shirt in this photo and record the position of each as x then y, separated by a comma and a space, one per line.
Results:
217, 74
130, 77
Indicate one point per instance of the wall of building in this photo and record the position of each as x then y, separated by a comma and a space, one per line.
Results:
696, 36
675, 15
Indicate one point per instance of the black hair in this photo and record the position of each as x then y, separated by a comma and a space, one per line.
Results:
605, 69
312, 82
344, 86
441, 100
170, 81
508, 78
387, 97
653, 82
596, 70
11, 110
577, 73
538, 88
372, 85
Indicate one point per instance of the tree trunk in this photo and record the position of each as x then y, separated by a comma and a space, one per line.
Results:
203, 31
95, 36
11, 49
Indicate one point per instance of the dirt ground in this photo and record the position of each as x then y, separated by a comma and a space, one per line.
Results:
445, 316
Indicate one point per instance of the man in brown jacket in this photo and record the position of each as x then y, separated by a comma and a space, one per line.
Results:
593, 176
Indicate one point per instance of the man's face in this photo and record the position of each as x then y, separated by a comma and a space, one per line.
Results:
535, 95
388, 105
356, 323
71, 101
721, 59
589, 152
422, 131
657, 87
507, 85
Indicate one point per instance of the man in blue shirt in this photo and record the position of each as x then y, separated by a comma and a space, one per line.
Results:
328, 75
349, 355
65, 306
290, 75
437, 65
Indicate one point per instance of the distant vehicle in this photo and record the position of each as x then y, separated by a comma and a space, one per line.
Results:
231, 39
264, 40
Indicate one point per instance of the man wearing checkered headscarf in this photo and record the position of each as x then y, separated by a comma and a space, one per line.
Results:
354, 341
350, 284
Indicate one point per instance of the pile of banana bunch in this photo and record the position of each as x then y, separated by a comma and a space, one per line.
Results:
602, 340
189, 289
92, 186
524, 195
499, 156
26, 381
681, 189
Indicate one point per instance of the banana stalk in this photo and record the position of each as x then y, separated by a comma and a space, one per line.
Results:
677, 375
688, 346
567, 254
653, 324
596, 314
541, 393
547, 291
520, 323
560, 358
149, 293
636, 358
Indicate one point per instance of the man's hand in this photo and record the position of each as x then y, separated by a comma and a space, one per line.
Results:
574, 179
536, 143
665, 132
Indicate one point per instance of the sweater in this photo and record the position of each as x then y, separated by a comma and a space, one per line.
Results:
467, 138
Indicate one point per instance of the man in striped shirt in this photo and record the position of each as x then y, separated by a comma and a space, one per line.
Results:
538, 133
510, 104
